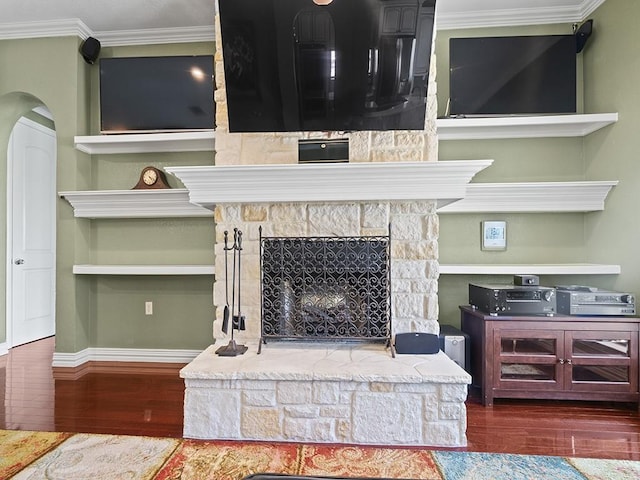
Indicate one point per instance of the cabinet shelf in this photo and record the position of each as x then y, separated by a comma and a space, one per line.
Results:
548, 126
583, 196
133, 204
201, 141
143, 269
530, 269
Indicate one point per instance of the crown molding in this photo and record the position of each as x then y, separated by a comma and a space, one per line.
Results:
54, 28
516, 16
206, 33
155, 36
75, 27
589, 6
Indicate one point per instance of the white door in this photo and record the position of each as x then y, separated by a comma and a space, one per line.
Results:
31, 201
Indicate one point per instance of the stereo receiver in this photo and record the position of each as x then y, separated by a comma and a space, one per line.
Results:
581, 300
513, 299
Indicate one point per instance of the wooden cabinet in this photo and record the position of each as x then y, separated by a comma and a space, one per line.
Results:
559, 357
399, 18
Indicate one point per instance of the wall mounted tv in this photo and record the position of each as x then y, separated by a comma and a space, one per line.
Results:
512, 75
156, 94
293, 65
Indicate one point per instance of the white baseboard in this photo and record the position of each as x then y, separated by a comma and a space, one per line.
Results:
71, 360
4, 348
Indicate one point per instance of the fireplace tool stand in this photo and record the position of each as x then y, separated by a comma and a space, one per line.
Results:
232, 349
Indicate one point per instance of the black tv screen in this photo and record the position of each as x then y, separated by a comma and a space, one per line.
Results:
154, 94
512, 75
293, 65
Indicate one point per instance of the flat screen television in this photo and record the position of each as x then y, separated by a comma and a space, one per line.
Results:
512, 75
156, 94
293, 65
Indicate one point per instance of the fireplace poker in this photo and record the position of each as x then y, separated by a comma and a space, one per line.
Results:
225, 316
238, 321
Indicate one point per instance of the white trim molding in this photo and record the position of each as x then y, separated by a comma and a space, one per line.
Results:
51, 28
359, 181
4, 348
506, 17
75, 27
72, 360
155, 36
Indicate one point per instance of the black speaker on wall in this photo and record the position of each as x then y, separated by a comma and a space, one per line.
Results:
90, 49
582, 34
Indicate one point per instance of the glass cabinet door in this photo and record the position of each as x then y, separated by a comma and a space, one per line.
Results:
602, 358
527, 358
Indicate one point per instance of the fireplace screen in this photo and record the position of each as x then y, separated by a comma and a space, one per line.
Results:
325, 288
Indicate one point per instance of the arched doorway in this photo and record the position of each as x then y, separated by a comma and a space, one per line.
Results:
30, 219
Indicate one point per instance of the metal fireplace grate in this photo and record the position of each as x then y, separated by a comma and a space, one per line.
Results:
325, 288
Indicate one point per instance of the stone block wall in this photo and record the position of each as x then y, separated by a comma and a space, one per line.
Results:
414, 252
377, 413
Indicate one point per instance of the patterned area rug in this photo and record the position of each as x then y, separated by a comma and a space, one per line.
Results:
18, 449
46, 455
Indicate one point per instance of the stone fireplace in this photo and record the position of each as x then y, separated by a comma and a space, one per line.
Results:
327, 391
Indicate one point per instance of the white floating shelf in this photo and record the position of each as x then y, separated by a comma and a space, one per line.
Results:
201, 141
134, 204
581, 196
549, 126
328, 182
531, 269
143, 269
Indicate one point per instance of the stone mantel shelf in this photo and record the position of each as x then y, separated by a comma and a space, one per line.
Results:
580, 196
378, 181
133, 204
200, 141
530, 269
549, 126
143, 270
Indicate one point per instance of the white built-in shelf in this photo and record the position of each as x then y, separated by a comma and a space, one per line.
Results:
200, 141
134, 204
581, 196
530, 269
143, 269
571, 125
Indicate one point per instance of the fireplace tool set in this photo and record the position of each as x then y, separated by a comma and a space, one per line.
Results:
232, 310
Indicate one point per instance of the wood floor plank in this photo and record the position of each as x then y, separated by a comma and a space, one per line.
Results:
152, 404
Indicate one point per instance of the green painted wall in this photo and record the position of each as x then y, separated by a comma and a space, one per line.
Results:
558, 237
182, 306
612, 83
107, 311
50, 72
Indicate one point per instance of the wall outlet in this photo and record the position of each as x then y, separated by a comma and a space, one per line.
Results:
148, 308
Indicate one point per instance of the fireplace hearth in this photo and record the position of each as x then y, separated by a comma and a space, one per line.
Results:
325, 289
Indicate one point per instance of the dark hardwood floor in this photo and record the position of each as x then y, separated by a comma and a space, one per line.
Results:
152, 405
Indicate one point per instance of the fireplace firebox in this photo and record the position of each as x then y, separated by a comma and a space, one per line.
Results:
325, 289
